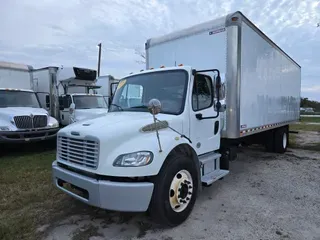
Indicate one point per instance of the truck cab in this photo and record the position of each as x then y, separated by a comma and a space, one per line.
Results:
146, 153
22, 119
79, 106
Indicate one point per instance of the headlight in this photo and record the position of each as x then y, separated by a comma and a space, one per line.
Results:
4, 128
136, 159
53, 125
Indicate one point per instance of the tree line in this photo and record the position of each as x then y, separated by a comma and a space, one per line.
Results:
306, 103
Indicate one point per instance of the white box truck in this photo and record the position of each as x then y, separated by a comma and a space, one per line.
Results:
21, 117
108, 85
65, 92
131, 160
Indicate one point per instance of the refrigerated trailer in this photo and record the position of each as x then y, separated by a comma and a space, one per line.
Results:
21, 117
174, 127
67, 93
108, 86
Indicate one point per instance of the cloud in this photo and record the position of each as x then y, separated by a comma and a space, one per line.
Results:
56, 32
313, 89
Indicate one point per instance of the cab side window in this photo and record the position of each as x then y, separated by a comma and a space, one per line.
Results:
202, 93
67, 101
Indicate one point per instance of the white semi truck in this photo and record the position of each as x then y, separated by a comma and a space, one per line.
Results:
131, 160
21, 117
65, 92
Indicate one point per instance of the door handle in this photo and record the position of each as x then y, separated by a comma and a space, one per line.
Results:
199, 116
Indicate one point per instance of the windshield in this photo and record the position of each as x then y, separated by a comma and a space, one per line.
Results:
87, 102
18, 99
134, 93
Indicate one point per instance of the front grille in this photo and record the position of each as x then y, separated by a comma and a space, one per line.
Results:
40, 121
28, 122
79, 151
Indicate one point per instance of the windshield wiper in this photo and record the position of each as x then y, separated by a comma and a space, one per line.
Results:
141, 106
113, 104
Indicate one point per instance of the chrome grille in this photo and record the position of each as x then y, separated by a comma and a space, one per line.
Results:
28, 122
40, 121
79, 151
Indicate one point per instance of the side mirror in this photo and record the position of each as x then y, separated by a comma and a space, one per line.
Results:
218, 85
47, 101
61, 103
71, 108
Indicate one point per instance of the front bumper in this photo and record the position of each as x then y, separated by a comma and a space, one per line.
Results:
28, 136
110, 195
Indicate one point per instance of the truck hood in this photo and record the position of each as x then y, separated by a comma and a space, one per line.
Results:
10, 112
82, 114
117, 133
113, 124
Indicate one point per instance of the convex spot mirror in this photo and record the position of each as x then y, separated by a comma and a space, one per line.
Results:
154, 106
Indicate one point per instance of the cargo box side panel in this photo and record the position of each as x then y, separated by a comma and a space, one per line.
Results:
204, 50
41, 81
12, 78
270, 84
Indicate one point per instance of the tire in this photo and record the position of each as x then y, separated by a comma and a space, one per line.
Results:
269, 141
281, 139
165, 194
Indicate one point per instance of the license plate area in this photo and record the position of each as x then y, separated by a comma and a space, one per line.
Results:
73, 189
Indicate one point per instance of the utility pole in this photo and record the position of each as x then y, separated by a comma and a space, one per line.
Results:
99, 58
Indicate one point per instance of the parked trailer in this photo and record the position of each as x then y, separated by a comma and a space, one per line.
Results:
65, 92
21, 117
108, 87
159, 163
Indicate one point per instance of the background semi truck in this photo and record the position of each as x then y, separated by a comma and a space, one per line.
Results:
67, 93
158, 162
21, 117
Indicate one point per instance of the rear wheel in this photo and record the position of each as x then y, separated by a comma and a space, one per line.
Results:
281, 139
175, 191
269, 141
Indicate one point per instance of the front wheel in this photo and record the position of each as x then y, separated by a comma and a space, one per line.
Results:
175, 191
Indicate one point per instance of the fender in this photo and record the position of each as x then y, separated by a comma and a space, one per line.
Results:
169, 140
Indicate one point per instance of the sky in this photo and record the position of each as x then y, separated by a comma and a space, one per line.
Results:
56, 32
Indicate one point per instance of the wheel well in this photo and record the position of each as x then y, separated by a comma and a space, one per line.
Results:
187, 150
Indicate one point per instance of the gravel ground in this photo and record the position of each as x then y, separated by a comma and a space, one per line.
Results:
307, 138
265, 196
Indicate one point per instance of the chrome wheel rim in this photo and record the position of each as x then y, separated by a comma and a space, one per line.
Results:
181, 190
284, 141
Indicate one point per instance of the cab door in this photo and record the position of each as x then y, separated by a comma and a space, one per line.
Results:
204, 133
66, 101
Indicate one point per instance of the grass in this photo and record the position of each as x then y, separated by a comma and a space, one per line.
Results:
310, 119
293, 138
305, 127
28, 198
